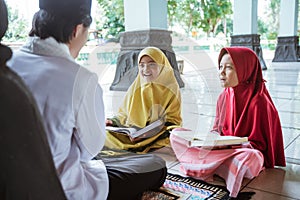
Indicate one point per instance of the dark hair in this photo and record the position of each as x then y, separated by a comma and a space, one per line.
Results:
46, 24
3, 17
5, 52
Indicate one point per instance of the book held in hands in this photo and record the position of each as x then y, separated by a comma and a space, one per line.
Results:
209, 140
136, 134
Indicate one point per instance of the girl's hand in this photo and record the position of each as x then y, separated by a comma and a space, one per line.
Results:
215, 132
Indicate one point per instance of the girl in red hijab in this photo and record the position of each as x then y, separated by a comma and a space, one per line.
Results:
248, 107
244, 109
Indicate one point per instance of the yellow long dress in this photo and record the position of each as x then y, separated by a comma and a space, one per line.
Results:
145, 102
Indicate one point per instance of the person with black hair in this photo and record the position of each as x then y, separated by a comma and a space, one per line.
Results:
27, 169
71, 103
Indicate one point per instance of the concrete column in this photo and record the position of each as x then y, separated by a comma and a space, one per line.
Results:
145, 14
145, 25
287, 41
245, 27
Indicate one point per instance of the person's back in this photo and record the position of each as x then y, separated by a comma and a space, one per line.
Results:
70, 101
55, 85
59, 85
27, 170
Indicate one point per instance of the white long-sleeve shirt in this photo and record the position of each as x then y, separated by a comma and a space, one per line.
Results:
70, 101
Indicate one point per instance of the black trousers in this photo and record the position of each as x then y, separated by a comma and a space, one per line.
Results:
131, 174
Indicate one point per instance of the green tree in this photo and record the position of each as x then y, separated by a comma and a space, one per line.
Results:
213, 11
172, 7
205, 15
262, 28
113, 22
190, 15
17, 27
273, 19
226, 27
185, 13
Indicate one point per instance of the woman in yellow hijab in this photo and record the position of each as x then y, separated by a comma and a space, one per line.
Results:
153, 95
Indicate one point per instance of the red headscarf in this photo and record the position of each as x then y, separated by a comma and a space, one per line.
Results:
248, 108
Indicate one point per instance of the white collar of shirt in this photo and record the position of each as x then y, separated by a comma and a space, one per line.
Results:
47, 47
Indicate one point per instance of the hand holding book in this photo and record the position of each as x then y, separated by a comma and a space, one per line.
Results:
210, 140
136, 134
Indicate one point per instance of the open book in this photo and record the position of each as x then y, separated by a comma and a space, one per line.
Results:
210, 140
136, 134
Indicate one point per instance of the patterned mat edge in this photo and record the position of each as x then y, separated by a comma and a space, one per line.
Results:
191, 185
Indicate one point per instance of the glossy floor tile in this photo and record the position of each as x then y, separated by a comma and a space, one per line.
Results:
280, 181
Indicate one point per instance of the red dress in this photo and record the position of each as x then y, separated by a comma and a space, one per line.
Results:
249, 109
245, 110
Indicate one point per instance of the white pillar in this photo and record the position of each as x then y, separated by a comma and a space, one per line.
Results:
287, 40
145, 14
245, 27
244, 17
288, 18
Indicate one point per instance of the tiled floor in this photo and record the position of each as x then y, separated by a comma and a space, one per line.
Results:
199, 99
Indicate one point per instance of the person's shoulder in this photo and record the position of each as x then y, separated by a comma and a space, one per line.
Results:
73, 67
222, 95
86, 76
83, 70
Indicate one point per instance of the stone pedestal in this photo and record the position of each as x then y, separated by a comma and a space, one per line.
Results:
251, 41
287, 49
132, 42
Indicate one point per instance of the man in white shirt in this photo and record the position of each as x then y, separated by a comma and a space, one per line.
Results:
70, 101
27, 168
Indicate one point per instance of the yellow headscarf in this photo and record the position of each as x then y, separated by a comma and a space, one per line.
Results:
146, 102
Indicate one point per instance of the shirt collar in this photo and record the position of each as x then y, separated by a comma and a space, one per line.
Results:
47, 47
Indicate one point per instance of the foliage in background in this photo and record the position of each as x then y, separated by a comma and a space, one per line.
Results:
273, 24
113, 14
268, 24
17, 27
213, 11
262, 28
196, 15
225, 27
184, 14
190, 15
